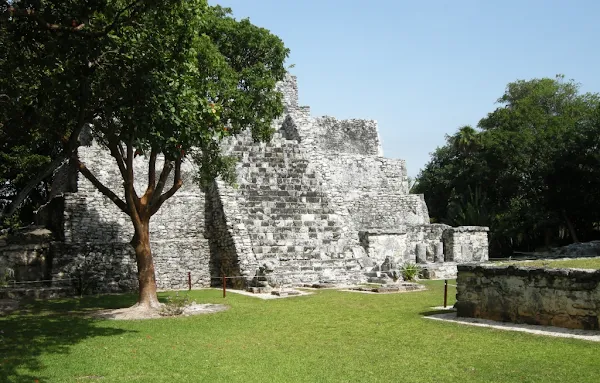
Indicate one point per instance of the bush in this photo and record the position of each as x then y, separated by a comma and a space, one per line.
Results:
410, 271
175, 305
6, 274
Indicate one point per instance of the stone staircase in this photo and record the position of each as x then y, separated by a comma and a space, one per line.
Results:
289, 219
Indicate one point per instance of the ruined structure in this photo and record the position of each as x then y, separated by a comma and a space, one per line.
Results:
317, 203
567, 298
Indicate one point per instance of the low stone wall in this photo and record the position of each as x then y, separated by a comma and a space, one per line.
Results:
111, 267
94, 268
26, 253
567, 298
433, 243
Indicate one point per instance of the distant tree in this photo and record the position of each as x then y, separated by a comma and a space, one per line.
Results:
172, 82
466, 139
534, 160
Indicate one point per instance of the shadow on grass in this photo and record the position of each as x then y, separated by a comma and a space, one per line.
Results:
50, 327
436, 311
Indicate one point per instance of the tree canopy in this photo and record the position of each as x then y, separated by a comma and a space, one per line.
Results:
166, 78
529, 171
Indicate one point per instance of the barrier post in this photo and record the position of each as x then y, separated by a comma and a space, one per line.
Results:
445, 293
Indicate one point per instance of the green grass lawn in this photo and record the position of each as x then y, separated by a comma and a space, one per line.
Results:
330, 336
581, 263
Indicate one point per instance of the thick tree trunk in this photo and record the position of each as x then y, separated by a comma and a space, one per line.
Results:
146, 277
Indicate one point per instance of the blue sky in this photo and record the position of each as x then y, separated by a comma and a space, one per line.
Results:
422, 69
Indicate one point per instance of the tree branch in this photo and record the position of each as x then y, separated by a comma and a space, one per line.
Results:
75, 29
152, 169
70, 146
30, 186
103, 189
147, 197
114, 147
130, 193
177, 182
164, 175
149, 193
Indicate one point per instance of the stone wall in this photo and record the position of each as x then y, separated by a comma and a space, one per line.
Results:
430, 246
95, 267
27, 253
466, 244
567, 298
300, 203
347, 136
280, 218
93, 227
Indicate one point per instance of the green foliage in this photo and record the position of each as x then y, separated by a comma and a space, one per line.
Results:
45, 94
410, 271
530, 171
6, 275
470, 209
11, 223
84, 277
168, 78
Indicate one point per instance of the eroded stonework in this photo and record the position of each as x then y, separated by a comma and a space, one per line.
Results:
567, 298
319, 203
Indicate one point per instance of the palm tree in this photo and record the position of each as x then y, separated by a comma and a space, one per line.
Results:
466, 139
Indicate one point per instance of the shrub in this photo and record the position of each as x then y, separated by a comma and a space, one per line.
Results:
410, 271
6, 274
175, 305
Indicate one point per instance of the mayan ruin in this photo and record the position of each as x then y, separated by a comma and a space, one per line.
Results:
318, 204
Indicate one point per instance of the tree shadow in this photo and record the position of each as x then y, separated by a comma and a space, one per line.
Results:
437, 311
50, 327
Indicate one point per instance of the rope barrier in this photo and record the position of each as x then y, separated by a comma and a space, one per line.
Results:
39, 281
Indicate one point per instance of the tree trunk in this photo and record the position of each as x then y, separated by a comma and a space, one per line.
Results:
571, 227
146, 278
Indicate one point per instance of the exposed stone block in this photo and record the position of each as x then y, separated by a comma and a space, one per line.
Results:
556, 297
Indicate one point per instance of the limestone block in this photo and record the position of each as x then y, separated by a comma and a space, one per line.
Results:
421, 253
567, 298
439, 252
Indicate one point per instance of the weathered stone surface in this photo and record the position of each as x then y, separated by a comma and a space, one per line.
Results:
581, 249
421, 251
466, 244
446, 270
319, 203
557, 297
439, 252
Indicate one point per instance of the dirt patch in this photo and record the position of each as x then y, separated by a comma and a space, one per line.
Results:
139, 313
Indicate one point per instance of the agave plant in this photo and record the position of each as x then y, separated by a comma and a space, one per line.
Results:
410, 271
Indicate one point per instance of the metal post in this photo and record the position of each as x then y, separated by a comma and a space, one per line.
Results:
224, 286
189, 280
445, 293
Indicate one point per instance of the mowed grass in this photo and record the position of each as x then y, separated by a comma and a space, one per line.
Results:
330, 336
580, 263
